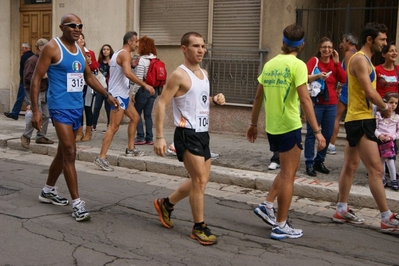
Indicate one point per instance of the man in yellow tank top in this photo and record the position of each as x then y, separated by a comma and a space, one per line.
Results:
360, 125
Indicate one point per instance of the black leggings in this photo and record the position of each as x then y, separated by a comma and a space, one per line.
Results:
88, 110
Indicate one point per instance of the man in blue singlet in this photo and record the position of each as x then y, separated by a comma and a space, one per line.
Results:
67, 70
188, 84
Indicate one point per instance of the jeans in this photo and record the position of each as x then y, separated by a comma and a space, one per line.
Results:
325, 116
19, 101
145, 103
98, 103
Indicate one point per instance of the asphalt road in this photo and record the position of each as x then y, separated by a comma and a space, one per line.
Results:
125, 230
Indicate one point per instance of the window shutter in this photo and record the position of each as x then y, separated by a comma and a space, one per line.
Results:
167, 21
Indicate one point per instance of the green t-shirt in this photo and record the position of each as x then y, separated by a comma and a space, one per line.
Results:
280, 77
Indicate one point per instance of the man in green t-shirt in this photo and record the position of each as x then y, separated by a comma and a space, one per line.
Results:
282, 86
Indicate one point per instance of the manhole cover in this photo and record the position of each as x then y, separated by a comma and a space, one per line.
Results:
7, 191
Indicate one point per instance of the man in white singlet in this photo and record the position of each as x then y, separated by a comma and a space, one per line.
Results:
118, 86
188, 86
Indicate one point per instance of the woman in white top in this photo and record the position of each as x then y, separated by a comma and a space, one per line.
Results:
144, 101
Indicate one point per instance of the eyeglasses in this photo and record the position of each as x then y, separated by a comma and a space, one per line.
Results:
73, 25
326, 47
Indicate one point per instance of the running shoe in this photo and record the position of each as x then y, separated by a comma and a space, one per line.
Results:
266, 214
391, 225
394, 185
347, 217
139, 142
331, 149
53, 198
285, 232
80, 213
214, 155
104, 164
273, 166
163, 213
134, 152
172, 149
203, 235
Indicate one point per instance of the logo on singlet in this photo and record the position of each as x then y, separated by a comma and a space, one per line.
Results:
204, 99
76, 66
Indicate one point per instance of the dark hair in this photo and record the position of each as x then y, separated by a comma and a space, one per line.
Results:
146, 46
385, 49
101, 55
321, 41
372, 29
386, 98
185, 40
128, 36
293, 32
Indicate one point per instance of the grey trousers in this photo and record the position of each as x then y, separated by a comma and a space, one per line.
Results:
43, 107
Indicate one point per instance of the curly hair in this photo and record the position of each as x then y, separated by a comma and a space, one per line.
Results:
146, 46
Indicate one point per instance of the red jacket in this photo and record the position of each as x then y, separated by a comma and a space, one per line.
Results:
94, 63
338, 74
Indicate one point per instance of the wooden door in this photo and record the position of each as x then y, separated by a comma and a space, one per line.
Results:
35, 25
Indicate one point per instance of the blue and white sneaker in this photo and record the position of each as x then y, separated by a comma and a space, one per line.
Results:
80, 213
53, 198
266, 214
285, 232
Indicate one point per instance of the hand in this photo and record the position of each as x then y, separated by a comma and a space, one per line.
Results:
160, 146
37, 120
324, 75
335, 56
150, 89
219, 99
252, 134
321, 141
113, 101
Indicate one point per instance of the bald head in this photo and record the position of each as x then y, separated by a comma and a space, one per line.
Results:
68, 17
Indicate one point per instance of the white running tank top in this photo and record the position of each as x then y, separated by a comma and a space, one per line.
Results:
118, 84
191, 110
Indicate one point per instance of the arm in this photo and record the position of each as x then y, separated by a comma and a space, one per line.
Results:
359, 68
252, 132
28, 73
95, 85
307, 107
123, 60
171, 87
377, 132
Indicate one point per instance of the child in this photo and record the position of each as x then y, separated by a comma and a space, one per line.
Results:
388, 130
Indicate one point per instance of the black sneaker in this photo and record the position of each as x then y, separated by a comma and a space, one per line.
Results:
394, 185
310, 171
320, 167
10, 115
53, 198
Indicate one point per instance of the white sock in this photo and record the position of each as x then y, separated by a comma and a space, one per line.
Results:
392, 168
281, 225
268, 204
386, 215
48, 188
342, 207
75, 202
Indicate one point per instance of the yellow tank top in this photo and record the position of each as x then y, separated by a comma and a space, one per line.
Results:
359, 107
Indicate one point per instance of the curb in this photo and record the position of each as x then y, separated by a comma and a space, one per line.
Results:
307, 188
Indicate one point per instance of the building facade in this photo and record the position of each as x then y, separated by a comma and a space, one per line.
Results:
240, 36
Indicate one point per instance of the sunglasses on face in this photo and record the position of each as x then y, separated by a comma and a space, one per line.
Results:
73, 25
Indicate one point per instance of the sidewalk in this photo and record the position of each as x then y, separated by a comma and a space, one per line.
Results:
240, 163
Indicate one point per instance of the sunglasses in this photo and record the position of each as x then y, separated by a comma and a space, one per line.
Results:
73, 25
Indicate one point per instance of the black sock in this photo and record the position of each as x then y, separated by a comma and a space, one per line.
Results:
199, 225
168, 205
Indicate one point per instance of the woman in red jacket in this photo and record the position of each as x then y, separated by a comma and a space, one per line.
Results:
325, 104
88, 94
388, 72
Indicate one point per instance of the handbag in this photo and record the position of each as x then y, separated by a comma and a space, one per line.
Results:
316, 86
100, 77
387, 149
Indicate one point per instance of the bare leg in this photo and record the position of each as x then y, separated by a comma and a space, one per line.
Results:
116, 118
289, 165
131, 129
351, 163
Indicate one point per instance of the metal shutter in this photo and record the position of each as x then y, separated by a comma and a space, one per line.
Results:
167, 20
236, 24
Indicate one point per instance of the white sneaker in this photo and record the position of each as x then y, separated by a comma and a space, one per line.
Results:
331, 149
273, 166
214, 155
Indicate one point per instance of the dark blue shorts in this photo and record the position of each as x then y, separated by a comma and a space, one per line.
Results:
285, 142
196, 143
71, 117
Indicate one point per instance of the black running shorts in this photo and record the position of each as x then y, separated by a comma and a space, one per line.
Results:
196, 143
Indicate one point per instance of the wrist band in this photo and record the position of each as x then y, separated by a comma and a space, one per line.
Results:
159, 137
317, 132
253, 125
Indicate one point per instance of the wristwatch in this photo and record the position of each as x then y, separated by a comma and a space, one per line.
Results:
107, 94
